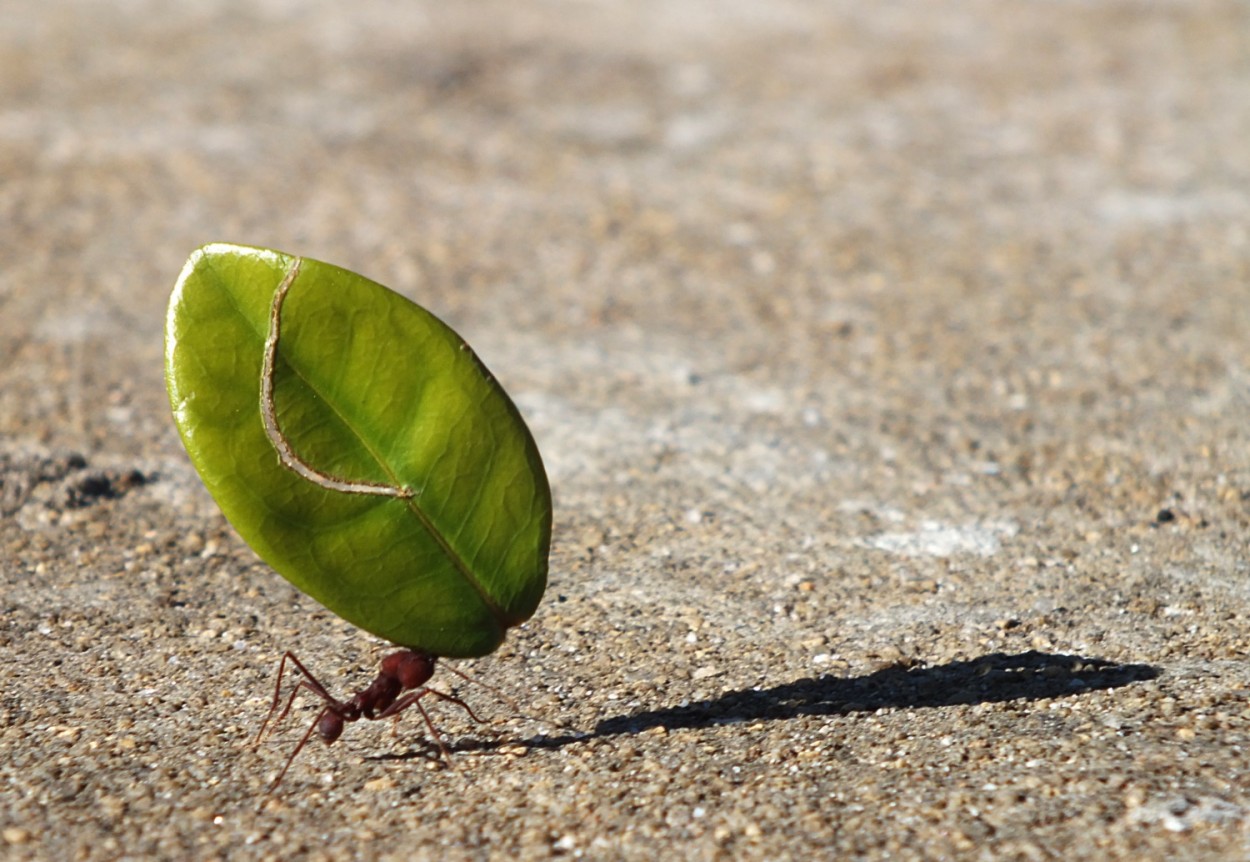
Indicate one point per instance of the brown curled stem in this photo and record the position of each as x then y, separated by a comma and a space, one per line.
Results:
269, 413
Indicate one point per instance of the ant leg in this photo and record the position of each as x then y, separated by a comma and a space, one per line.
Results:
438, 737
277, 697
414, 699
290, 702
309, 682
516, 707
410, 699
458, 702
303, 741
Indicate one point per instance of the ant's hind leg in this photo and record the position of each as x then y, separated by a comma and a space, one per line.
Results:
298, 748
309, 682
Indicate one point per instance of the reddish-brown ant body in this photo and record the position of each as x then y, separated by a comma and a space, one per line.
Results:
402, 671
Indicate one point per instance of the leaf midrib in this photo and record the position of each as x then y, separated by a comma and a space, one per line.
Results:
455, 558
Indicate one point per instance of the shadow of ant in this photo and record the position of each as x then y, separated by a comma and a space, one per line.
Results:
992, 678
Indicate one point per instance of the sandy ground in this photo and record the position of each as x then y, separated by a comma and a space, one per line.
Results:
891, 363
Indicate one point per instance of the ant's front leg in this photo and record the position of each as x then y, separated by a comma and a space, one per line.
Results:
414, 699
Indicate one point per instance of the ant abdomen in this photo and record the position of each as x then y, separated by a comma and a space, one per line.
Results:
330, 726
401, 671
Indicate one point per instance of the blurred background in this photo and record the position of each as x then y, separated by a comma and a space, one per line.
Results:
855, 336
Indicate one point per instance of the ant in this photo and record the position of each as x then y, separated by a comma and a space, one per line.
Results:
403, 671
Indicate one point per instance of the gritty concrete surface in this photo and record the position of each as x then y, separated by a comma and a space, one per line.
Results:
891, 363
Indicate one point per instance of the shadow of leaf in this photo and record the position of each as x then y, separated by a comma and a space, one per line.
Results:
992, 678
989, 679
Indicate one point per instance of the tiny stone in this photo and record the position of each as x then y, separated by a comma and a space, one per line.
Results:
15, 835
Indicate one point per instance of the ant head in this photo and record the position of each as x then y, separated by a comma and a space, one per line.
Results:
412, 669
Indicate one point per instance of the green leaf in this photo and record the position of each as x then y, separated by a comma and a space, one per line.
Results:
396, 483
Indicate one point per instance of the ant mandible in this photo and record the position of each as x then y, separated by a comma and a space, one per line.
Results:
402, 671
